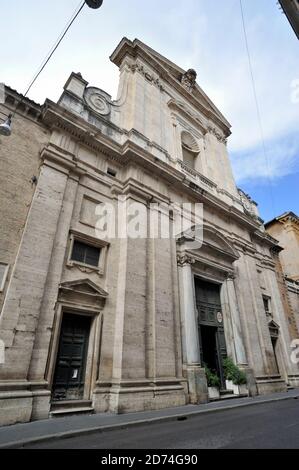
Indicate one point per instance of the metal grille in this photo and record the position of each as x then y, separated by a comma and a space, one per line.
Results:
86, 254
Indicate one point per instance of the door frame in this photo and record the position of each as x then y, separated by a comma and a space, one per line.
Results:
219, 283
93, 347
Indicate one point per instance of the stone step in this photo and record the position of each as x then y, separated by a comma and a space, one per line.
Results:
226, 392
58, 405
229, 396
71, 411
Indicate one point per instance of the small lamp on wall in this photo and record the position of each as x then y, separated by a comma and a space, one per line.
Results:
5, 128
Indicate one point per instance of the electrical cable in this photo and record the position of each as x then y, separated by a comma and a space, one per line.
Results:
257, 106
50, 54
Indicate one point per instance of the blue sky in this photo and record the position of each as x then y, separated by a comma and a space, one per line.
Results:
203, 34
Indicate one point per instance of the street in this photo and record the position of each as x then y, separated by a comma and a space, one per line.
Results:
272, 425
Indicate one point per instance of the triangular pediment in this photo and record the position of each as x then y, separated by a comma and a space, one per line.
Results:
273, 324
169, 71
84, 286
208, 238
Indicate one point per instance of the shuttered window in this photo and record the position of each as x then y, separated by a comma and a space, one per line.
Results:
85, 254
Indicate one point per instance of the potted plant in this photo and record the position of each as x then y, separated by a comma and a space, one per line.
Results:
235, 378
213, 383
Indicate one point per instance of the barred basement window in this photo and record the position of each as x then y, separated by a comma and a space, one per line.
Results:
85, 254
3, 275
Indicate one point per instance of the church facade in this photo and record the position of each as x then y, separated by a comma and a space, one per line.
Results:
122, 323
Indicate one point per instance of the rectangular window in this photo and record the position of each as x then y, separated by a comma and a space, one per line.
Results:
85, 254
267, 306
3, 275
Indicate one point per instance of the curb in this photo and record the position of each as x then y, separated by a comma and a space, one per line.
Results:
112, 427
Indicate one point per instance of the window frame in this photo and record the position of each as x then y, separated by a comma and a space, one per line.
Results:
191, 153
4, 279
91, 241
268, 312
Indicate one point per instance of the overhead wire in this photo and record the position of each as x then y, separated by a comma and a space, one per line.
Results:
48, 57
259, 116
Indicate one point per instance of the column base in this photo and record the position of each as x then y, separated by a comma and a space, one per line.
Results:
267, 385
293, 380
123, 399
251, 381
197, 385
41, 403
15, 407
22, 401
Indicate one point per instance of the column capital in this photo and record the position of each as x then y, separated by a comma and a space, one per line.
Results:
184, 259
231, 276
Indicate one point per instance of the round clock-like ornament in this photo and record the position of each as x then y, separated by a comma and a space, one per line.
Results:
94, 3
219, 317
96, 101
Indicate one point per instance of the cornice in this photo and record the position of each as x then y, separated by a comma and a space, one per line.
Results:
265, 238
57, 117
135, 49
62, 160
203, 260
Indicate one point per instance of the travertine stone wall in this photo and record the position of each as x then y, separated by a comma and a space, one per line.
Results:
19, 162
144, 344
23, 301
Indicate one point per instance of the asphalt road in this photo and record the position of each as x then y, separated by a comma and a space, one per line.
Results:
273, 426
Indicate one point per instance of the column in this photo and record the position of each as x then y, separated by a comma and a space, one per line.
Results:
236, 322
191, 352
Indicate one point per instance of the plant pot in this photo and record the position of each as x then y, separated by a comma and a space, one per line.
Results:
236, 389
229, 385
213, 392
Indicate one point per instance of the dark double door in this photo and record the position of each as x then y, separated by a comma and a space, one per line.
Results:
210, 325
69, 378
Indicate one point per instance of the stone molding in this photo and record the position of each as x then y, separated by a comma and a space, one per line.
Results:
216, 133
150, 77
97, 101
184, 259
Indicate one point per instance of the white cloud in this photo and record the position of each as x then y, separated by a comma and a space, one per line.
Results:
203, 34
281, 159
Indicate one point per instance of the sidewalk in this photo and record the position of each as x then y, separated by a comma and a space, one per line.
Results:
19, 435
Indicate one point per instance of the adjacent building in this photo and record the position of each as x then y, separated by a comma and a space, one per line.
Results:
291, 10
120, 323
285, 228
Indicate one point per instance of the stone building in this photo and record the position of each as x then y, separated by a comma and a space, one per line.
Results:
122, 324
285, 228
291, 10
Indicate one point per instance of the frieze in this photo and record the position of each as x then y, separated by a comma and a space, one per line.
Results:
183, 260
147, 75
219, 135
